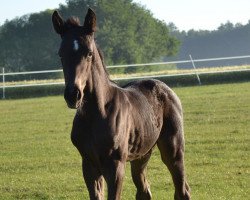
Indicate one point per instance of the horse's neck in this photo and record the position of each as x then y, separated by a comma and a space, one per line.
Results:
100, 88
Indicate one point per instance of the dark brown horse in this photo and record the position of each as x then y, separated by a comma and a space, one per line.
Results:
113, 125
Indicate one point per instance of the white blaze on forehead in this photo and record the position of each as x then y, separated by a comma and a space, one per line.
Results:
76, 45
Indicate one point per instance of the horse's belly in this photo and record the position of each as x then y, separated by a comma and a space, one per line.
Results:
143, 136
141, 143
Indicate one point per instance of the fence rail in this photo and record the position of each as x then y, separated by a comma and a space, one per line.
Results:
191, 61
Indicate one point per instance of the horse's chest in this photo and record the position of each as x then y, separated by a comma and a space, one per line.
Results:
91, 142
81, 141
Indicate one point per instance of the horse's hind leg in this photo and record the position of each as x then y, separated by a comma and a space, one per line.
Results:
171, 146
138, 171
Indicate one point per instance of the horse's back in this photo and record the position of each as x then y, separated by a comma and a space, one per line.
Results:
156, 92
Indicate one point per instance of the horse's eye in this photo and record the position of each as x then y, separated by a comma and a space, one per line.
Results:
90, 54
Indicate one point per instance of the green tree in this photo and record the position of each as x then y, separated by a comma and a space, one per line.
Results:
227, 40
127, 33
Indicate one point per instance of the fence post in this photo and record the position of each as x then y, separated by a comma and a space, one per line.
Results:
3, 85
197, 75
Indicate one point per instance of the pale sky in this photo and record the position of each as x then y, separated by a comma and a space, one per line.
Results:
185, 14
199, 14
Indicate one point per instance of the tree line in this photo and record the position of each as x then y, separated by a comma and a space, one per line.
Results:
127, 33
227, 40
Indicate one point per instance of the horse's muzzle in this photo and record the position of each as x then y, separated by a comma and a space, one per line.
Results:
72, 96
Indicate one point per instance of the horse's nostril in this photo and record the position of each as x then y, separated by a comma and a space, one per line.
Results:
72, 95
78, 94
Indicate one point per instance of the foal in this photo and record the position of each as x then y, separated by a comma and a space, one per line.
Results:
113, 125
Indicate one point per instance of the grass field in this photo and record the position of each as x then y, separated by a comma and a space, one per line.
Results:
38, 161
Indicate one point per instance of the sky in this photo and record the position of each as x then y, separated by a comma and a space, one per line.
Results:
185, 14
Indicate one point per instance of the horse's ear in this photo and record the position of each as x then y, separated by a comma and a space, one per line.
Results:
58, 23
90, 21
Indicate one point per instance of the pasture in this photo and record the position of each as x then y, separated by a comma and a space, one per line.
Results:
38, 161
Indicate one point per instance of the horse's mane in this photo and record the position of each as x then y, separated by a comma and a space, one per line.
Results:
103, 64
102, 57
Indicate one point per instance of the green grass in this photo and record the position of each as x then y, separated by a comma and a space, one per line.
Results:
38, 161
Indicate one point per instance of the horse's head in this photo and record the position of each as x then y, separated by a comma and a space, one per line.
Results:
76, 52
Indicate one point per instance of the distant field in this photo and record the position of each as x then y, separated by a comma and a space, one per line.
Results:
38, 161
31, 79
181, 71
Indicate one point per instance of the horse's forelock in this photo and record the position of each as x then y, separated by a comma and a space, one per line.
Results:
73, 22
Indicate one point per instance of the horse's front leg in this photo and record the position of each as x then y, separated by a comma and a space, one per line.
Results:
113, 173
93, 179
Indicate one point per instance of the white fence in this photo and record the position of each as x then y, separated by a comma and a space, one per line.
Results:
191, 61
